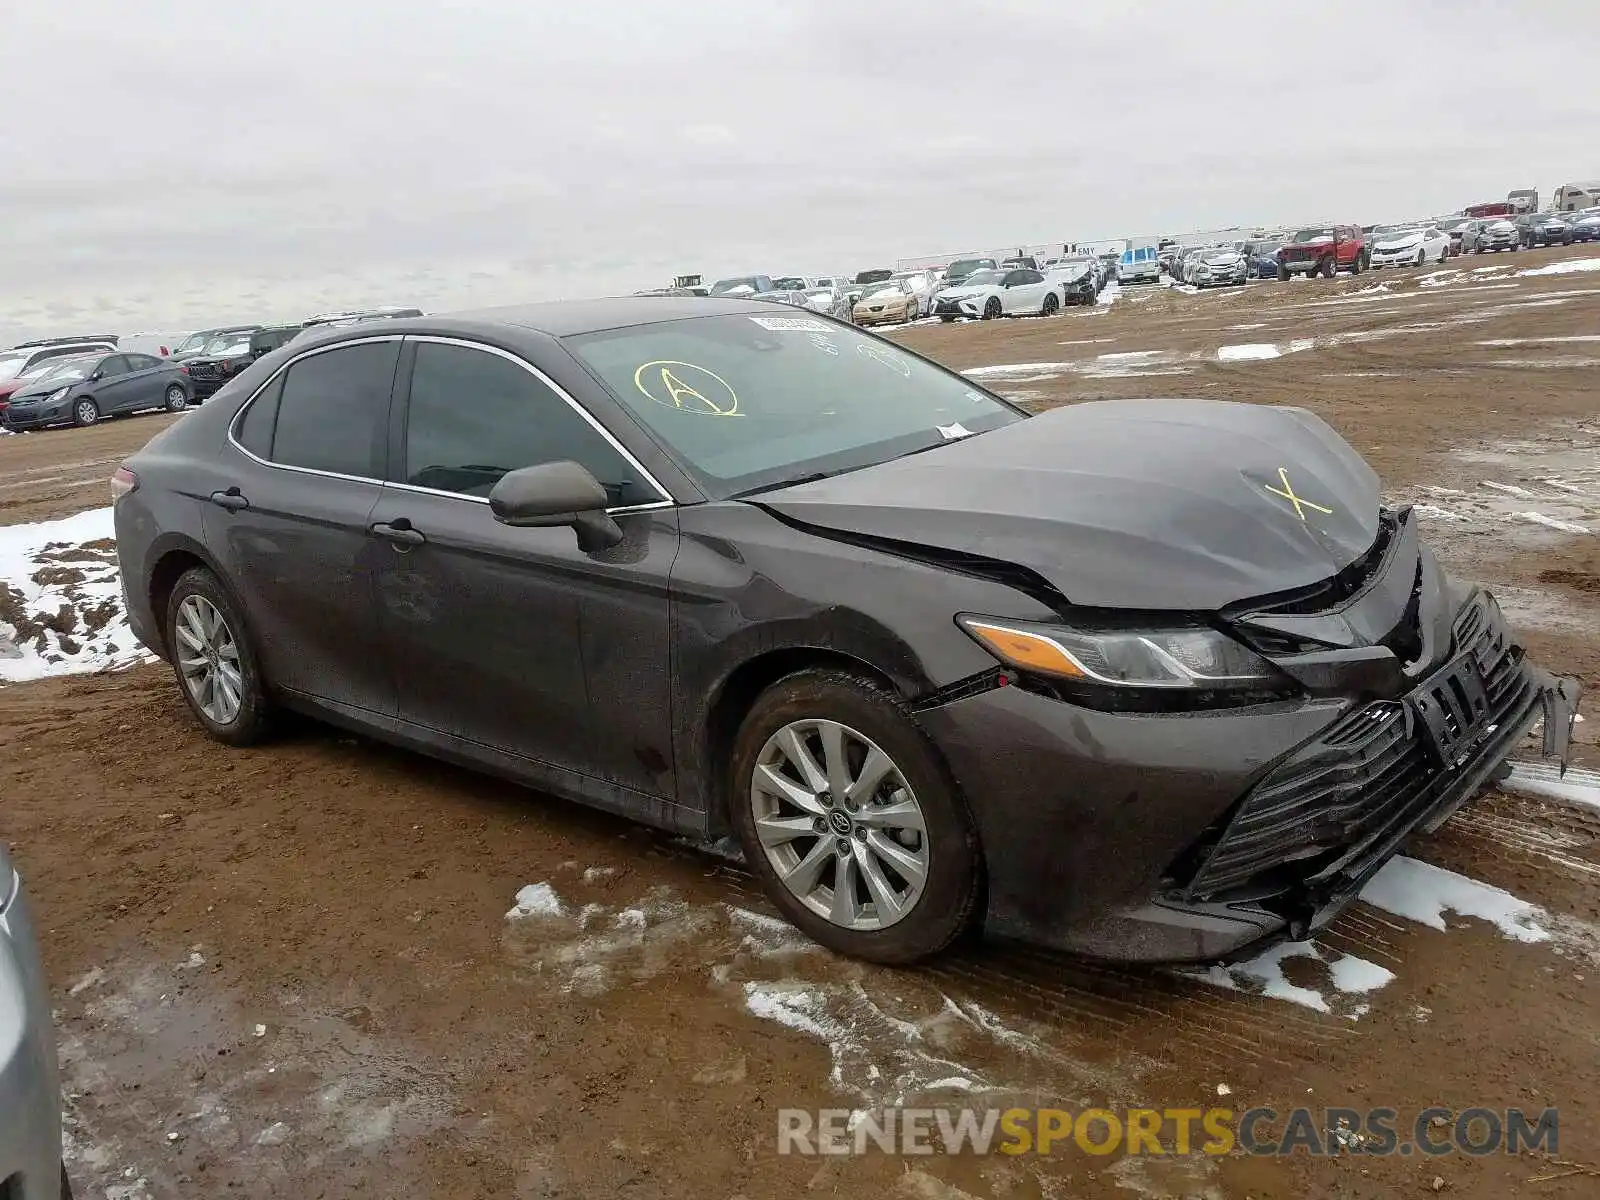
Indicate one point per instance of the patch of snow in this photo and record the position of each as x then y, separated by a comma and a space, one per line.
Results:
1547, 364
1541, 341
1126, 354
62, 576
1003, 370
536, 900
1246, 352
1509, 489
1265, 975
596, 874
1569, 267
1578, 787
1538, 518
1421, 892
1437, 513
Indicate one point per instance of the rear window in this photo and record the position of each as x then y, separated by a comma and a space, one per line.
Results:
333, 413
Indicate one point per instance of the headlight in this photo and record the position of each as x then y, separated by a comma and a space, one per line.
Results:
58, 394
1197, 658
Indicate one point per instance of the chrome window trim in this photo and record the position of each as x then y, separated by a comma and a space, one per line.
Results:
622, 510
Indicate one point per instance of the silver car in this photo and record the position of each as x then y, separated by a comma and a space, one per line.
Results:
30, 1089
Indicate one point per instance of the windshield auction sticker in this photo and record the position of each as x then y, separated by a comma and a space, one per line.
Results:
791, 324
688, 388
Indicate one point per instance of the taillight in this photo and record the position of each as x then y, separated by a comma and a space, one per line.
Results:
123, 481
184, 368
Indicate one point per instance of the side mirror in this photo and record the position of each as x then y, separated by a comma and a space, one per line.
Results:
97, 377
552, 495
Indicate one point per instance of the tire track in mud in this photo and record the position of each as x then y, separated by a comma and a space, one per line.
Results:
1157, 1014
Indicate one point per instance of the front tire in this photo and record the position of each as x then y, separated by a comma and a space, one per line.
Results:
991, 309
1328, 268
85, 412
214, 662
852, 821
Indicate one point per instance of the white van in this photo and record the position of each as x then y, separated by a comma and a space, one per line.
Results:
1139, 262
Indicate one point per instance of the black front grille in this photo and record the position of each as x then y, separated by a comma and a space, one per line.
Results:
1368, 775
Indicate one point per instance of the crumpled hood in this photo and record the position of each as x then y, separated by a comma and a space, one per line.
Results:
1138, 504
963, 292
1403, 241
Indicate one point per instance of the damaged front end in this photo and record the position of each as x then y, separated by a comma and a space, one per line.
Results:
1441, 692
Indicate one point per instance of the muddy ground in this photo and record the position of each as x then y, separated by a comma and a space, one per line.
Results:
291, 970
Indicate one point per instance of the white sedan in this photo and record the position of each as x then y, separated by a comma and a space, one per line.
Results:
1008, 292
1410, 247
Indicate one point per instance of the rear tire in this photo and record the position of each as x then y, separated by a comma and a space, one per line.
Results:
1050, 305
177, 398
874, 723
215, 664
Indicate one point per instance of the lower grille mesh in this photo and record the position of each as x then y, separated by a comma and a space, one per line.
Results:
1369, 770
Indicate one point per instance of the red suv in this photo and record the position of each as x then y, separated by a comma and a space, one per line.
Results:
1324, 249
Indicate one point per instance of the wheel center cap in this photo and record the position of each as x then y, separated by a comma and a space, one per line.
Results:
840, 821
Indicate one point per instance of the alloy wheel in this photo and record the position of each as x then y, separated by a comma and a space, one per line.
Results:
208, 657
177, 399
840, 825
87, 412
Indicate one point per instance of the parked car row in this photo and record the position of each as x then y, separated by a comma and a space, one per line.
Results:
83, 379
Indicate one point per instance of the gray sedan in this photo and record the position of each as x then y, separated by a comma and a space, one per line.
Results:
30, 1091
82, 390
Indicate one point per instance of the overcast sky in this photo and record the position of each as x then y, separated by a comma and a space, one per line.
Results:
173, 163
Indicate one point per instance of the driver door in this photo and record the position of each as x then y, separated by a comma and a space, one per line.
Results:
1024, 291
514, 644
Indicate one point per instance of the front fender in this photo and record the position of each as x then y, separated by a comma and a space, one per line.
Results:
753, 597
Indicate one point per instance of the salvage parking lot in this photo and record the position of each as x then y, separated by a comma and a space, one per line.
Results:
330, 968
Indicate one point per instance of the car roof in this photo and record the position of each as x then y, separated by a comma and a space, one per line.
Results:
564, 318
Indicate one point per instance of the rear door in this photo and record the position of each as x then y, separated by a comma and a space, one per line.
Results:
147, 380
515, 640
290, 523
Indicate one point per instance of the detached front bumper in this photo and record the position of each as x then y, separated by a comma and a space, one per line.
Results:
1204, 836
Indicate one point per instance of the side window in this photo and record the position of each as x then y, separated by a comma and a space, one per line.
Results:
473, 416
1011, 277
333, 414
117, 364
1032, 277
142, 362
254, 432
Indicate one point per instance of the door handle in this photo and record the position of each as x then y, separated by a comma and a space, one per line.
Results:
398, 531
231, 500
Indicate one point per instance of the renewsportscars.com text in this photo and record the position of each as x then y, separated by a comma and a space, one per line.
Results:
1430, 1132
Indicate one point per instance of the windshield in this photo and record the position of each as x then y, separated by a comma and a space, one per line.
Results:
227, 344
11, 364
743, 283
195, 341
978, 278
965, 266
796, 396
68, 370
790, 283
1324, 234
1399, 231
